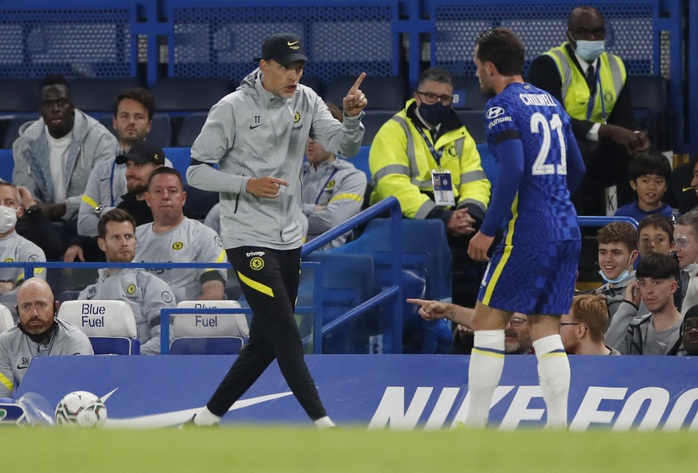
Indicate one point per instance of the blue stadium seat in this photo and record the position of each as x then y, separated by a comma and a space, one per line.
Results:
424, 247
467, 94
315, 83
347, 281
190, 129
373, 120
19, 95
92, 94
189, 94
474, 121
199, 202
12, 129
649, 95
383, 92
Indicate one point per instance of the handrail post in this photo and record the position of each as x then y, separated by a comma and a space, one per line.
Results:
396, 235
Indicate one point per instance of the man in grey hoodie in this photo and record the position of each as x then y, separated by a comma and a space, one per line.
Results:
257, 137
55, 154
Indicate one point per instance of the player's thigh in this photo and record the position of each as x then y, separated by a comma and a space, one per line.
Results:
260, 274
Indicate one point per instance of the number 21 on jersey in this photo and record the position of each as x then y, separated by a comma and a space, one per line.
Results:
539, 124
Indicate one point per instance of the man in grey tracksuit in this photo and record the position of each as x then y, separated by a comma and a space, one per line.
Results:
55, 154
39, 333
257, 136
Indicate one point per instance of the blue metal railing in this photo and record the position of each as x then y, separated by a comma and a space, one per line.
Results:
594, 221
393, 292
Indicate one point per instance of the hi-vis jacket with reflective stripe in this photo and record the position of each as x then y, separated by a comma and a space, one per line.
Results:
401, 164
575, 91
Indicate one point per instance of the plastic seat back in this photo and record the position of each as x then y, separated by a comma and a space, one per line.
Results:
212, 334
110, 325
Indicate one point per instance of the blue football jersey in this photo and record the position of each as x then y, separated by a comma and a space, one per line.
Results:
542, 209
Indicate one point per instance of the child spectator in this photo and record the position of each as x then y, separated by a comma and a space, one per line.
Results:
649, 175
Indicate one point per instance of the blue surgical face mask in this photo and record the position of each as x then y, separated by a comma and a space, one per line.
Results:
621, 277
434, 113
590, 50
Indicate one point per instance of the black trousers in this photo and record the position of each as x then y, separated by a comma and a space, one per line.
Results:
269, 281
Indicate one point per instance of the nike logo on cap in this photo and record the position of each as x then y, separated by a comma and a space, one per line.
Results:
687, 189
291, 43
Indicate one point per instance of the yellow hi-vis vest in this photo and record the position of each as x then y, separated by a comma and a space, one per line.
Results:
575, 91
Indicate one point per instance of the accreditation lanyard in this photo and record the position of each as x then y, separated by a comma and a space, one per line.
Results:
599, 90
436, 154
322, 189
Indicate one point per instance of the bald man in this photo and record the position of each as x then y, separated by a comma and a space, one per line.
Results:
39, 333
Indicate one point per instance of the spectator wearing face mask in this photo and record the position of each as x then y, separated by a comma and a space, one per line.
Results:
591, 84
426, 144
13, 247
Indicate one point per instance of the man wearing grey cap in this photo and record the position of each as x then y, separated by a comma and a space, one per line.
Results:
257, 137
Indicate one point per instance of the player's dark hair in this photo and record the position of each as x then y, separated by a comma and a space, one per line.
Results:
659, 222
435, 74
622, 232
140, 95
165, 170
649, 163
658, 266
114, 215
503, 48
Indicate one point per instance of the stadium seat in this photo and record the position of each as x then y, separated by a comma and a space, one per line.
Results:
424, 247
347, 280
160, 131
315, 83
190, 129
383, 92
6, 319
372, 121
19, 95
12, 130
467, 94
189, 94
199, 202
110, 325
213, 334
650, 102
93, 94
474, 121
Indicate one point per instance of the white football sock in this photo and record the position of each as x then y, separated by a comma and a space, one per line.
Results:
206, 418
484, 373
324, 423
554, 375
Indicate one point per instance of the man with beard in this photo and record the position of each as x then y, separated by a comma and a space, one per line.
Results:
133, 119
144, 292
582, 330
140, 161
39, 333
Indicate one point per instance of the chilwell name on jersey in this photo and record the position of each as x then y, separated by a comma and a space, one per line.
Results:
544, 100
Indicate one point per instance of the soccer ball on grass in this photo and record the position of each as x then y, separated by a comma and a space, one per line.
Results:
81, 408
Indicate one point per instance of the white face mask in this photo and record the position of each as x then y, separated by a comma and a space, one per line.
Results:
8, 218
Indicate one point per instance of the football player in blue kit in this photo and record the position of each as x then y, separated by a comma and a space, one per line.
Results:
533, 269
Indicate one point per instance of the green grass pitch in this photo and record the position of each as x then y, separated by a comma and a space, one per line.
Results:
296, 449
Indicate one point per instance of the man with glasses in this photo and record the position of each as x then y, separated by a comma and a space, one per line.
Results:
426, 158
591, 84
583, 329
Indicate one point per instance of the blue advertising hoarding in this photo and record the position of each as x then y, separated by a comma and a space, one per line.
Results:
380, 392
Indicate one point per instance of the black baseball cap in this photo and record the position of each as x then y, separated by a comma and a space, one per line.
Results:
143, 152
283, 48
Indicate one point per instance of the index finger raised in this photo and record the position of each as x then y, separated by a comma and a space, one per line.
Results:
357, 84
